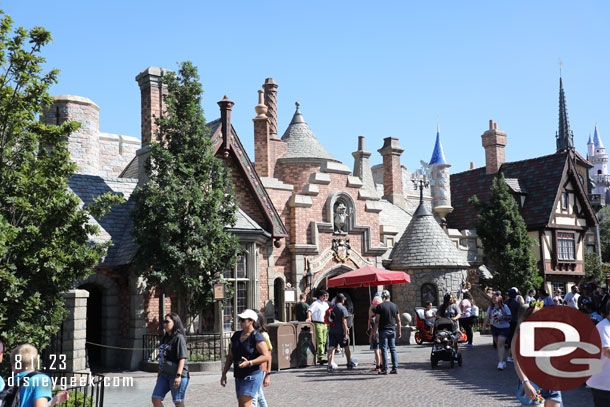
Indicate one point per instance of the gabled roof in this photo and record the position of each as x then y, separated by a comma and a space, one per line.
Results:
115, 225
540, 176
278, 229
302, 143
426, 245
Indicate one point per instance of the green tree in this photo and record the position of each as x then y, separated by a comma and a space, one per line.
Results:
45, 242
593, 268
506, 245
181, 213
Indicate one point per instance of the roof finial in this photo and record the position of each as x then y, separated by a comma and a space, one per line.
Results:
297, 104
560, 63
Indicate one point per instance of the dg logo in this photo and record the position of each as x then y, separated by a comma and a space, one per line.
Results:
558, 348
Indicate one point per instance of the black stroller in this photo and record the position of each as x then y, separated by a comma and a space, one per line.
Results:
445, 344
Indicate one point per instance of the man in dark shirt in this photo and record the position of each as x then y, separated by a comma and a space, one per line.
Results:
388, 318
338, 334
300, 309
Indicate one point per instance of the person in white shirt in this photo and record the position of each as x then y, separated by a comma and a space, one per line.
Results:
600, 382
571, 298
315, 314
531, 295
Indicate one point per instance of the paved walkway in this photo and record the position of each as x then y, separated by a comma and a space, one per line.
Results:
476, 383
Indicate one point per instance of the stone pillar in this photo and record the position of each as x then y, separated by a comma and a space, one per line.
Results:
392, 171
494, 142
261, 138
75, 330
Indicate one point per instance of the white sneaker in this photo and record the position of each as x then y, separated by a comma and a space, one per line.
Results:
501, 365
509, 359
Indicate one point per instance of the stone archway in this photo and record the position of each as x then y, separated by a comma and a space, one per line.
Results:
320, 280
104, 324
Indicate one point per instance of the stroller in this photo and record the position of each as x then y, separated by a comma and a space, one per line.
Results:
445, 346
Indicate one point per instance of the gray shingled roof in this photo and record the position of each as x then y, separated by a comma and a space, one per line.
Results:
115, 224
395, 216
426, 245
244, 222
302, 143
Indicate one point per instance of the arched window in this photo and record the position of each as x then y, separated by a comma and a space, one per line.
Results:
429, 293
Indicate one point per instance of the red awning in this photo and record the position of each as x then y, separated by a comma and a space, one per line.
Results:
369, 276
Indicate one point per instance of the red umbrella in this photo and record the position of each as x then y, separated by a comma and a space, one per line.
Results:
369, 276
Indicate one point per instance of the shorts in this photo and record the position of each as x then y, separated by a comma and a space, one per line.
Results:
249, 385
504, 332
552, 395
165, 383
374, 344
335, 340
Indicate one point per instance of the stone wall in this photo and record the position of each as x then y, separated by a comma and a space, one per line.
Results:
94, 153
408, 296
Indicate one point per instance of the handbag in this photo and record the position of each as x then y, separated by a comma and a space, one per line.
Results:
169, 367
474, 311
522, 396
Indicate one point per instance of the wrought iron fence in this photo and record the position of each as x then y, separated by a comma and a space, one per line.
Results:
85, 389
200, 347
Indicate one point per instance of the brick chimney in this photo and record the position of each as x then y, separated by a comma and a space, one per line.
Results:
226, 107
392, 171
271, 102
151, 93
494, 141
261, 138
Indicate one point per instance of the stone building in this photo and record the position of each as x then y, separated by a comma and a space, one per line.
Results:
303, 217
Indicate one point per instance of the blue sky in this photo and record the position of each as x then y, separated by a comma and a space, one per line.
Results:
358, 68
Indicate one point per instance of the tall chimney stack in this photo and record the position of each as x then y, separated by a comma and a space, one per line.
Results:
494, 142
226, 107
151, 93
271, 101
262, 153
392, 171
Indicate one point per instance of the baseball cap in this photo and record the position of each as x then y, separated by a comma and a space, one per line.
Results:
248, 314
340, 297
512, 293
385, 294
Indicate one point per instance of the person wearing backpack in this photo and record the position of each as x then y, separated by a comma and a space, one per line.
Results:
316, 313
338, 336
515, 301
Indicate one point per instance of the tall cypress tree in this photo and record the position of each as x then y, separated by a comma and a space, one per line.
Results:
507, 247
181, 213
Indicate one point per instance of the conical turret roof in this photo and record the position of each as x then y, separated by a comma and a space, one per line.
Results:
565, 138
426, 245
302, 143
438, 155
597, 140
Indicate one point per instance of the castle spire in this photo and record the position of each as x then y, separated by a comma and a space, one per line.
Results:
597, 140
438, 155
565, 137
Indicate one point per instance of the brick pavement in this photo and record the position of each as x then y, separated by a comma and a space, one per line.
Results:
476, 383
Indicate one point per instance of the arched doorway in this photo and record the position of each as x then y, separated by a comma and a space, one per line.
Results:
94, 327
357, 300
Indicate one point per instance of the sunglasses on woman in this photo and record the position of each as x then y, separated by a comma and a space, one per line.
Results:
167, 321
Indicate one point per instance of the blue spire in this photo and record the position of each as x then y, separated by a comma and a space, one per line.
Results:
590, 139
438, 156
597, 140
